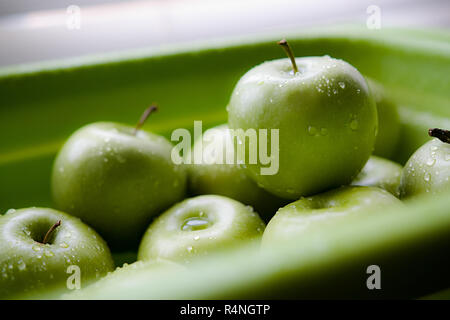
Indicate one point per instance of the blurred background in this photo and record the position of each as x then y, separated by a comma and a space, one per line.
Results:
33, 31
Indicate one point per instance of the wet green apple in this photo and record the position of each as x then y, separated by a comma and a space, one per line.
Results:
388, 121
381, 173
309, 214
38, 245
428, 169
219, 173
199, 226
326, 119
116, 179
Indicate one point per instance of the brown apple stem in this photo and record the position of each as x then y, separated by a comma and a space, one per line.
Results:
441, 134
50, 231
145, 116
287, 48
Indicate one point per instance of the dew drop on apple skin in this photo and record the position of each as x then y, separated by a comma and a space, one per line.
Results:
10, 211
36, 248
354, 124
194, 224
427, 177
63, 245
21, 265
48, 253
430, 162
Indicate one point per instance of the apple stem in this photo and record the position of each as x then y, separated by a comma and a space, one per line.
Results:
441, 134
145, 116
49, 232
287, 48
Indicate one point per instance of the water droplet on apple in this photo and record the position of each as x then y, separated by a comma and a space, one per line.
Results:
10, 211
324, 131
189, 249
21, 265
36, 248
427, 177
431, 161
63, 245
354, 124
48, 253
341, 84
196, 237
195, 223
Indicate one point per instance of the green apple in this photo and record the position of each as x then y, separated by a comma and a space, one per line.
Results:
216, 175
199, 226
381, 173
116, 178
428, 169
38, 245
326, 119
123, 279
309, 214
388, 121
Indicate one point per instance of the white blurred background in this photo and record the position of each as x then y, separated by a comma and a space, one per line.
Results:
36, 30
